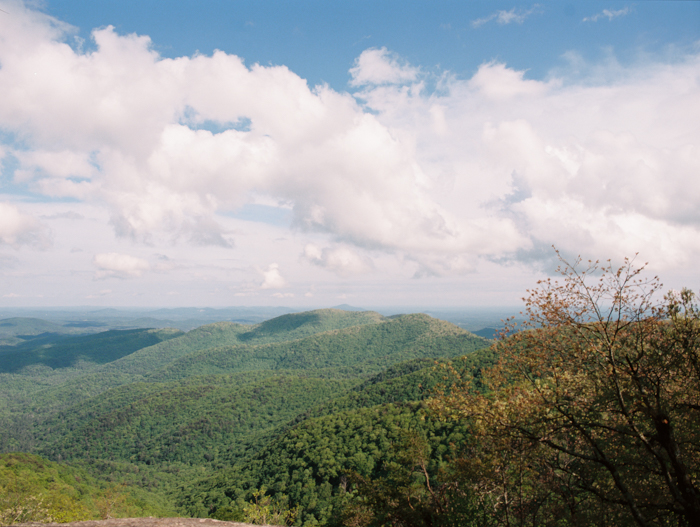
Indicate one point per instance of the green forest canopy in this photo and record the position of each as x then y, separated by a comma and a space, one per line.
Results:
588, 417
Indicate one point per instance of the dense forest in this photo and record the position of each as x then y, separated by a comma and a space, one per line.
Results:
158, 418
586, 414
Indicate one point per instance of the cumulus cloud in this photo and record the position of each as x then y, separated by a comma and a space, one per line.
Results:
496, 81
601, 169
609, 14
491, 167
283, 295
116, 265
379, 66
341, 260
272, 278
120, 126
61, 164
18, 229
504, 17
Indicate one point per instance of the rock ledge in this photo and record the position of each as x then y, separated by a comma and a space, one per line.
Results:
143, 522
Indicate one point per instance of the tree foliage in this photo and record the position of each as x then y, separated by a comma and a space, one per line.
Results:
593, 413
209, 418
311, 463
410, 492
33, 489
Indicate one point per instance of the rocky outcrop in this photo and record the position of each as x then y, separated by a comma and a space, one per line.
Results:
142, 522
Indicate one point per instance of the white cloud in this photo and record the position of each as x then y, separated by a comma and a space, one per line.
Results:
504, 17
603, 169
283, 295
609, 14
378, 66
496, 81
272, 279
489, 168
341, 260
113, 127
18, 229
62, 164
116, 265
67, 215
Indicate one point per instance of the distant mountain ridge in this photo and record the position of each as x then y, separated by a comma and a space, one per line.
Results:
99, 348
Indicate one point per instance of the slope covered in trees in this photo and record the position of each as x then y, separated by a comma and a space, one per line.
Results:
349, 352
593, 414
310, 464
33, 488
588, 417
191, 405
201, 421
77, 368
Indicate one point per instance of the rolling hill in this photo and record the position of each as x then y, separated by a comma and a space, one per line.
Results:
311, 395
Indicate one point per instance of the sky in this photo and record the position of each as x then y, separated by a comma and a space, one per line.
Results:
315, 153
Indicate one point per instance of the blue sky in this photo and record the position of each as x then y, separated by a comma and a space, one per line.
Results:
371, 153
320, 40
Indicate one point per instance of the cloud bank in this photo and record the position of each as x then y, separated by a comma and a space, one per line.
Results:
19, 229
598, 169
496, 167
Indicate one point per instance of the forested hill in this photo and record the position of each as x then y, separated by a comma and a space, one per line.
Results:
586, 417
348, 352
158, 410
285, 328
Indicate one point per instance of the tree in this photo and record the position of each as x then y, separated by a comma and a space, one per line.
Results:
265, 510
407, 494
593, 412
